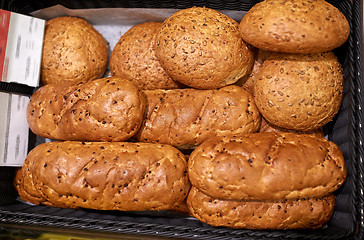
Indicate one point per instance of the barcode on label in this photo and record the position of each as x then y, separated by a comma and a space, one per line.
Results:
18, 43
27, 66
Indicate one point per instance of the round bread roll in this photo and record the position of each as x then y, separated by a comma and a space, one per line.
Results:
133, 58
73, 50
202, 48
302, 92
267, 166
309, 213
295, 26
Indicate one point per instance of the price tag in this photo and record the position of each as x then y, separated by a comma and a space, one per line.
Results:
21, 42
14, 130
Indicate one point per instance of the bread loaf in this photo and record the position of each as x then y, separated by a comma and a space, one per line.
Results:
308, 213
106, 176
302, 92
187, 117
267, 166
107, 109
73, 50
268, 127
202, 48
295, 26
133, 58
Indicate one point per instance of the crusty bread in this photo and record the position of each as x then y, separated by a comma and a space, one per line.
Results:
302, 92
106, 176
267, 166
202, 48
248, 82
106, 109
187, 117
268, 127
308, 213
73, 50
133, 58
294, 26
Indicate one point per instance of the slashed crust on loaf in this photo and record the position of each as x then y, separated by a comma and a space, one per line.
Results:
202, 48
133, 58
295, 26
308, 213
106, 109
73, 50
106, 176
187, 117
267, 166
302, 92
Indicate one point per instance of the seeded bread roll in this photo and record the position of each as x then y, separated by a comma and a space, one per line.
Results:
267, 166
186, 117
302, 92
73, 50
202, 48
106, 176
106, 109
295, 26
308, 213
133, 58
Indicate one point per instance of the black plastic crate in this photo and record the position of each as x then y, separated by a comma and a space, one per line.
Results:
346, 130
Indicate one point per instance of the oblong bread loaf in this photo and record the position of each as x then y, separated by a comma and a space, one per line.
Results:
106, 109
106, 176
310, 213
187, 117
267, 166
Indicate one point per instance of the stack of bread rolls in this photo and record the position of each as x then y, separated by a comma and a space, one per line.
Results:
279, 178
245, 101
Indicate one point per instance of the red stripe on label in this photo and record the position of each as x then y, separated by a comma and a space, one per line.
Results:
4, 29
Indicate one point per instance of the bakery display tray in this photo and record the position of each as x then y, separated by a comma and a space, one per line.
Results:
346, 131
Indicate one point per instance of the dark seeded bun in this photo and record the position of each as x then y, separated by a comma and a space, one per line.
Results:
295, 26
73, 50
133, 58
202, 48
302, 92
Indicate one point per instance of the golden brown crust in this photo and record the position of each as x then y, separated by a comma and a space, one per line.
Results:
295, 26
202, 48
268, 127
133, 58
73, 50
308, 213
182, 117
107, 109
267, 166
248, 82
107, 176
302, 92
